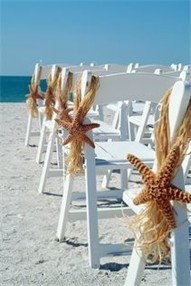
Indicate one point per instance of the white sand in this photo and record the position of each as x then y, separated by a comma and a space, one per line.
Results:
30, 255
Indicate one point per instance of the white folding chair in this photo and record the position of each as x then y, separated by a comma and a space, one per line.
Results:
108, 156
40, 73
141, 124
180, 258
53, 128
54, 74
98, 69
103, 133
99, 113
140, 114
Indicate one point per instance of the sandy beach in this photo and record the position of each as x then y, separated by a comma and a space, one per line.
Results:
30, 254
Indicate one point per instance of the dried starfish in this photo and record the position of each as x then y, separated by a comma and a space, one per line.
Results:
158, 187
63, 111
49, 95
34, 92
77, 130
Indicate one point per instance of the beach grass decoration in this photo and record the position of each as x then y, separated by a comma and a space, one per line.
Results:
62, 97
50, 93
34, 94
153, 225
76, 128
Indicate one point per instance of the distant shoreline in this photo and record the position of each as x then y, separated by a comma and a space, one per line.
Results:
15, 76
14, 88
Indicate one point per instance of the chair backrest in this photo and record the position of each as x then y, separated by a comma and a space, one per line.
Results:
99, 70
42, 69
117, 67
129, 86
46, 69
152, 68
64, 73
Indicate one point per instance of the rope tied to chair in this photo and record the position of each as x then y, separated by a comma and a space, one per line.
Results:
152, 226
50, 94
77, 130
62, 95
34, 95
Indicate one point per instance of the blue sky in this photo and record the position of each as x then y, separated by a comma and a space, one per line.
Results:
93, 31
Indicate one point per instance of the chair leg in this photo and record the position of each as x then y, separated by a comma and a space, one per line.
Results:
41, 144
46, 165
135, 269
125, 174
180, 254
40, 119
124, 179
66, 199
106, 179
59, 154
92, 212
132, 131
29, 126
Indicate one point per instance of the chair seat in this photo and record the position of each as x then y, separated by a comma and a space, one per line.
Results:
129, 195
117, 151
105, 131
136, 120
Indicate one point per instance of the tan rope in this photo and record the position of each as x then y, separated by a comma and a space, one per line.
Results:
50, 94
162, 137
162, 131
77, 94
75, 157
34, 94
151, 229
74, 162
62, 96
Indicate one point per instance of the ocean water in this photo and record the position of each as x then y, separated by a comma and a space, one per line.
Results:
14, 88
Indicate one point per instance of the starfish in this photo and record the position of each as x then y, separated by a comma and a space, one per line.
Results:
158, 187
34, 92
77, 130
49, 95
62, 111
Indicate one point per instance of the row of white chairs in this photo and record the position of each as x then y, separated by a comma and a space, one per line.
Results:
112, 155
48, 69
173, 70
119, 130
124, 118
